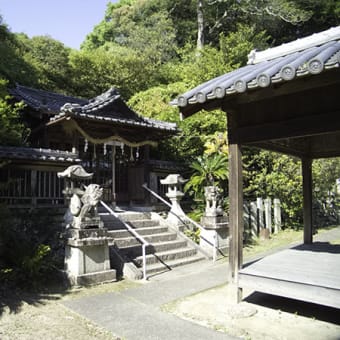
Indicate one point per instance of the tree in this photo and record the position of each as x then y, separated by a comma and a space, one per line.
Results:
268, 174
13, 67
200, 25
126, 17
147, 32
326, 173
208, 170
12, 131
110, 66
50, 60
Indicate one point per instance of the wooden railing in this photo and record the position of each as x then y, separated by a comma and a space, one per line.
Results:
30, 187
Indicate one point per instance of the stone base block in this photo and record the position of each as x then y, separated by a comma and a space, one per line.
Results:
219, 237
214, 222
86, 233
92, 278
264, 234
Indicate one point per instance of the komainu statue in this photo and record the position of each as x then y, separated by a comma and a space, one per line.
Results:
83, 206
82, 201
213, 201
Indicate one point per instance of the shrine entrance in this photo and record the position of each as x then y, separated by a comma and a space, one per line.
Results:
117, 168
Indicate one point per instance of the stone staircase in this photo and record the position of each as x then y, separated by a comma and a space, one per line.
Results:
168, 248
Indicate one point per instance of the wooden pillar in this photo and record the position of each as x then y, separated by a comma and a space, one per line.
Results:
147, 174
34, 188
114, 198
75, 143
235, 211
307, 200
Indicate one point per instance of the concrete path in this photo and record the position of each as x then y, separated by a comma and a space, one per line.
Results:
136, 313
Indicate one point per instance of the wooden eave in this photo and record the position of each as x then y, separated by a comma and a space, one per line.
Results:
299, 117
295, 119
105, 129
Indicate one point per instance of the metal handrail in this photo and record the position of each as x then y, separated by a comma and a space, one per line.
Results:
134, 232
186, 218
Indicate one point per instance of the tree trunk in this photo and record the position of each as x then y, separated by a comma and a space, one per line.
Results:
200, 25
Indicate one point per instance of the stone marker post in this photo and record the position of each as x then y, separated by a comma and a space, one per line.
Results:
253, 219
268, 214
277, 215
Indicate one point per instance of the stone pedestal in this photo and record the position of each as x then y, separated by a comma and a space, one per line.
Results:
215, 232
87, 259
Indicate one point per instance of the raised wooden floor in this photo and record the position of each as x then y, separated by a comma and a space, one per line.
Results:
306, 272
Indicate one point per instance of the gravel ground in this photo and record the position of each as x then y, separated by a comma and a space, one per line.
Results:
32, 316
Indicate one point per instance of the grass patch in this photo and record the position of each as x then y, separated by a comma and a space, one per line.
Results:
281, 239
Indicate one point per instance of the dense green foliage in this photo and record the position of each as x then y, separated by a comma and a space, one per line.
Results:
268, 174
147, 50
12, 131
31, 253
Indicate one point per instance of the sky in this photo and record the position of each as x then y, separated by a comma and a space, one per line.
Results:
68, 21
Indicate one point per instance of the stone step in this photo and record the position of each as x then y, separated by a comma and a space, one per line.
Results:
112, 222
158, 267
133, 248
126, 215
122, 233
154, 239
116, 224
165, 256
133, 216
143, 223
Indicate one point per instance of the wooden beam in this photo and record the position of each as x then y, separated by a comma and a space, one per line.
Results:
307, 200
235, 211
280, 148
298, 127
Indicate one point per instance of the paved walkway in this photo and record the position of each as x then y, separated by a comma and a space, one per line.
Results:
136, 313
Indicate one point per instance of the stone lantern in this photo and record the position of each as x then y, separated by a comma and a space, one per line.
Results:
175, 182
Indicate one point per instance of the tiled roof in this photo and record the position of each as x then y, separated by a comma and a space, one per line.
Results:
109, 107
44, 101
10, 152
303, 57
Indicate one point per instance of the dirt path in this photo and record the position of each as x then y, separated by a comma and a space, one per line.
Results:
251, 321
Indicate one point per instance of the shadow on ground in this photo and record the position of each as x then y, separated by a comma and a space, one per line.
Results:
13, 298
310, 310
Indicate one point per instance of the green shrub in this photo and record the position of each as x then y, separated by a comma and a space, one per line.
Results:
31, 250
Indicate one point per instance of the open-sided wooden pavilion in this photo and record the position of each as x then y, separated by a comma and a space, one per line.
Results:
286, 100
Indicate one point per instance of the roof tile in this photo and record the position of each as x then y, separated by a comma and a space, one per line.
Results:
307, 56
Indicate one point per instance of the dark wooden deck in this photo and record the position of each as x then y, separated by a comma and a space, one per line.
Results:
305, 272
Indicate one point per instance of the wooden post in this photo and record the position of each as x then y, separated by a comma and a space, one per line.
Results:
34, 187
235, 211
114, 176
307, 200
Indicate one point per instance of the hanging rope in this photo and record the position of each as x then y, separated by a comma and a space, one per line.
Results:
94, 140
